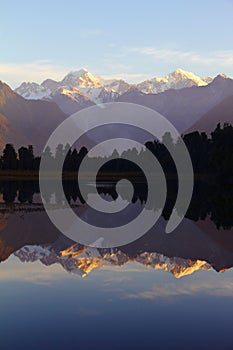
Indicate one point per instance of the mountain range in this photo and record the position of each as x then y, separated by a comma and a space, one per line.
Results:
29, 114
81, 86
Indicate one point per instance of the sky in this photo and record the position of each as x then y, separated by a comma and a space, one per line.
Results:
133, 40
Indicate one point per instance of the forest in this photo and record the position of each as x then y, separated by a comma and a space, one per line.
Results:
211, 156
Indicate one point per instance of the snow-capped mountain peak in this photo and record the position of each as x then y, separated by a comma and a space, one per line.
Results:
180, 74
81, 79
176, 80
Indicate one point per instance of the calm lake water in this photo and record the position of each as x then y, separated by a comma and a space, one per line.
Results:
162, 291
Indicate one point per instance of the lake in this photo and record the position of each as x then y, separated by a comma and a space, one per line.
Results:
165, 291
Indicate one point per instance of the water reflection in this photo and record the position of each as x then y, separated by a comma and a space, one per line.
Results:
203, 241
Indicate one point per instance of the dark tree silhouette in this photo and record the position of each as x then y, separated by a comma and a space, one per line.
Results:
9, 158
26, 158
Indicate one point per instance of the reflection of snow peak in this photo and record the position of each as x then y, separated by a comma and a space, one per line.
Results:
83, 260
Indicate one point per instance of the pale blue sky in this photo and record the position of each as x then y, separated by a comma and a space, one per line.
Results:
129, 39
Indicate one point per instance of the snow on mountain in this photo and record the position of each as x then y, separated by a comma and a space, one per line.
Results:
185, 106
187, 77
81, 79
89, 85
50, 84
73, 93
207, 80
118, 85
178, 79
75, 83
100, 95
33, 91
70, 100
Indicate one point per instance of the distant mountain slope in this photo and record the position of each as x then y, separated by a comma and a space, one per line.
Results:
221, 113
24, 122
70, 101
185, 106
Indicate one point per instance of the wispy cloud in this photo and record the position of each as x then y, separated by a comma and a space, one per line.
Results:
214, 287
219, 58
15, 73
34, 273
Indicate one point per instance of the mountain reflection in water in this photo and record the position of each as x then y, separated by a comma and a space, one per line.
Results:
203, 241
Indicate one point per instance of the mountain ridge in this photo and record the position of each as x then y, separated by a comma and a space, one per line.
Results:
88, 83
183, 107
21, 119
214, 116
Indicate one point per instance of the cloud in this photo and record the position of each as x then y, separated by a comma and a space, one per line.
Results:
219, 58
117, 279
114, 66
35, 273
114, 69
15, 73
214, 287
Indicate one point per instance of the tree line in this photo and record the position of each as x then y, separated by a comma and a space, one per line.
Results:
209, 155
